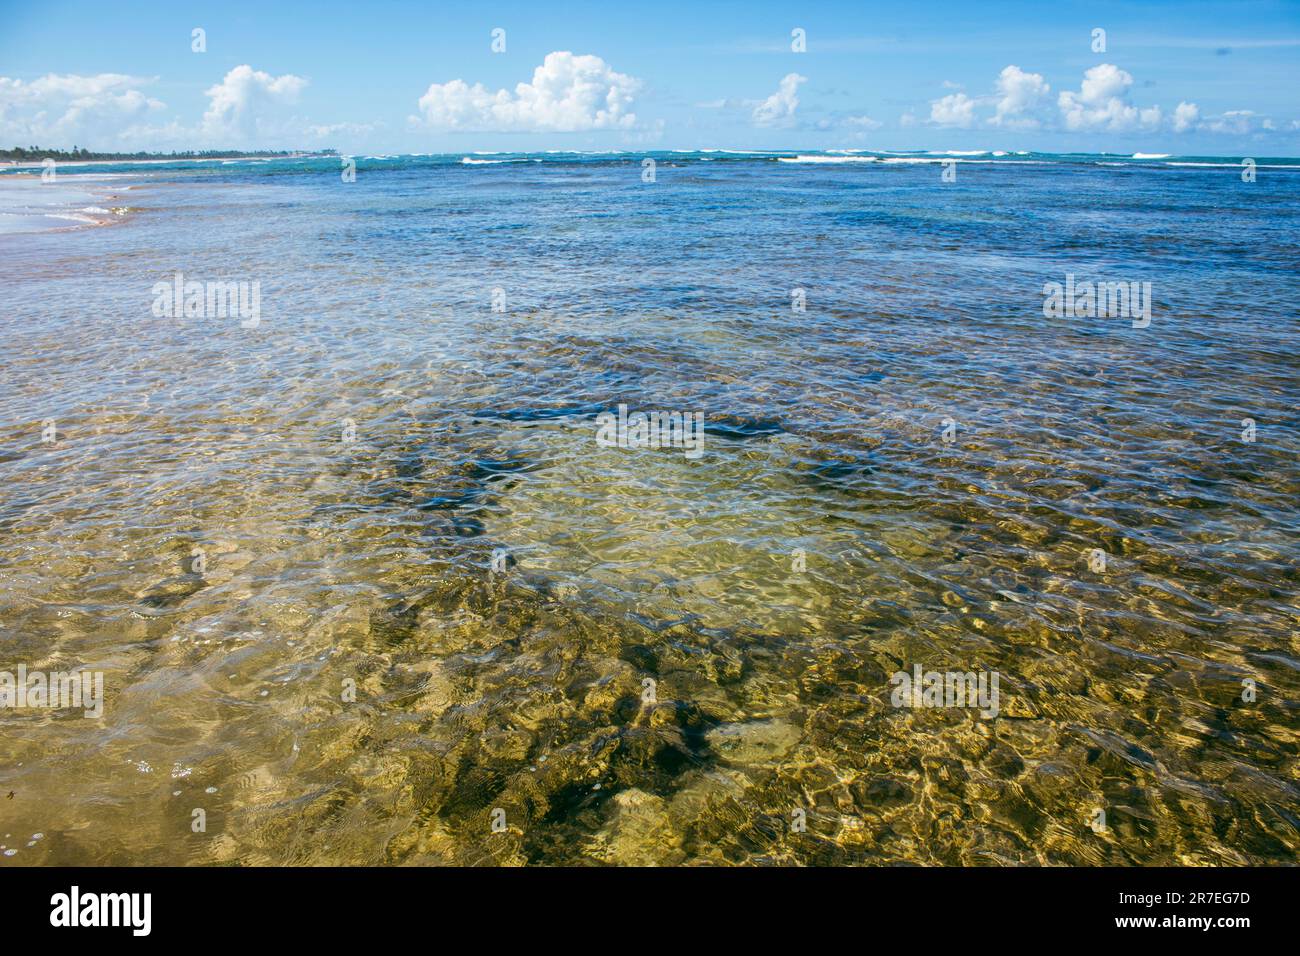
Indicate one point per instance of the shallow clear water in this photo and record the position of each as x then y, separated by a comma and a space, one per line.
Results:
370, 560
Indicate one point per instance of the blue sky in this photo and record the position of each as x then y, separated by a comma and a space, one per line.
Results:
1214, 78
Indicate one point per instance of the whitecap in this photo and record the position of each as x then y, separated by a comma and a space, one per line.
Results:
827, 159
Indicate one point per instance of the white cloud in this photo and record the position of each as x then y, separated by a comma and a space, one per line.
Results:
69, 86
857, 125
1185, 116
62, 110
1021, 100
107, 111
1102, 102
779, 108
1019, 94
1233, 121
567, 94
955, 109
239, 105
322, 131
862, 122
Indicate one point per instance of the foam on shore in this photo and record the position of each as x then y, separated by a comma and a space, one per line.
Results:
28, 204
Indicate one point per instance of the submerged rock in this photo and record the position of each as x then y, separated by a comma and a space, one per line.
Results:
755, 742
639, 833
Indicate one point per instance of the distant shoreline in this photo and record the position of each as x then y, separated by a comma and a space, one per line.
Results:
9, 161
845, 156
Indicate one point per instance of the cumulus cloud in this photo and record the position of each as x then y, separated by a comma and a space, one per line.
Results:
1233, 121
247, 108
1102, 102
1021, 100
955, 109
567, 94
68, 109
239, 107
54, 86
1019, 95
778, 109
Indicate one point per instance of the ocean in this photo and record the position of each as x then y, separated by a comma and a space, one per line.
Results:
652, 508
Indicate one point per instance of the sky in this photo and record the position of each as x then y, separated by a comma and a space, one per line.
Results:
380, 77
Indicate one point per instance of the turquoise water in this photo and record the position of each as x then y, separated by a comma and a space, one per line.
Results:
394, 480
